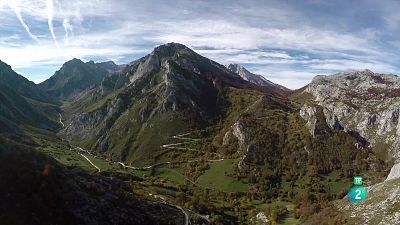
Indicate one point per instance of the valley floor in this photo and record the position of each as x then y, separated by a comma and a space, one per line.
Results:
173, 182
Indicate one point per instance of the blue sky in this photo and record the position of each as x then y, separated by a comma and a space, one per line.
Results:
289, 42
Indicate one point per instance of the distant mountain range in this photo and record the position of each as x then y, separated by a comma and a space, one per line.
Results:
253, 78
76, 76
176, 113
173, 87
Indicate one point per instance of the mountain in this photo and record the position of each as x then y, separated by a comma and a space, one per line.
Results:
183, 129
253, 78
36, 189
366, 105
15, 110
20, 84
172, 88
22, 103
76, 76
363, 102
177, 113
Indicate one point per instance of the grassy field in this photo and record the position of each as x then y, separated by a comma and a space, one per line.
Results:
215, 177
102, 164
55, 147
171, 174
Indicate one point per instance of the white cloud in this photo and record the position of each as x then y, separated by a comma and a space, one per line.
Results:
274, 38
292, 79
23, 57
347, 65
224, 35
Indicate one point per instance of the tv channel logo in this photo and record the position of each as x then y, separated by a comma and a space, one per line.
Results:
357, 194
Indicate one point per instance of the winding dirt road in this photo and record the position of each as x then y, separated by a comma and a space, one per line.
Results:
176, 146
98, 169
63, 125
187, 218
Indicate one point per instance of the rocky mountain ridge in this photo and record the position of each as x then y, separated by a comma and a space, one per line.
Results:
361, 101
253, 78
22, 103
21, 85
273, 137
367, 104
172, 80
75, 76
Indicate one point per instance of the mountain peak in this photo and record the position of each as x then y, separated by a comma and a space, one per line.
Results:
357, 86
358, 78
236, 67
251, 77
76, 76
172, 50
172, 45
365, 72
76, 60
20, 84
111, 63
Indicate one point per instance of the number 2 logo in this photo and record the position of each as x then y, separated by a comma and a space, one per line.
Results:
358, 194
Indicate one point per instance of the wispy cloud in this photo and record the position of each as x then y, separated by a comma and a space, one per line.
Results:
50, 9
68, 29
15, 6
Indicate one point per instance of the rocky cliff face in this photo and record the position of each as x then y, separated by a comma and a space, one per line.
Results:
308, 113
361, 101
365, 105
394, 172
243, 135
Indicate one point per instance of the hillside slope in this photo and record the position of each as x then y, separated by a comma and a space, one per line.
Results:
381, 207
20, 84
22, 103
162, 94
176, 110
363, 102
365, 105
36, 190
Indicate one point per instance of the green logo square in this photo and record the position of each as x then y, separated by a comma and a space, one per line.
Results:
358, 180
